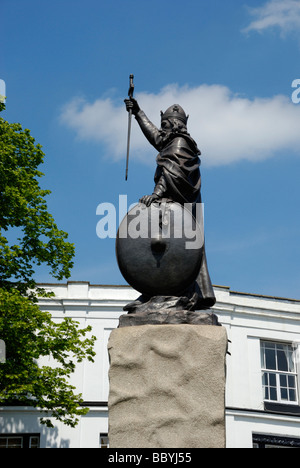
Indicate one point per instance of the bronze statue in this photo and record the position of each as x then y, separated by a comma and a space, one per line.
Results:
177, 179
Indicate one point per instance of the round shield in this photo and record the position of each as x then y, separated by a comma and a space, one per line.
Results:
159, 248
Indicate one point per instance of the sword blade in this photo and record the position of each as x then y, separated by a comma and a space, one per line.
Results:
128, 142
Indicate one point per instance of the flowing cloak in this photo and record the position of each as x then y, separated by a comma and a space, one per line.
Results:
178, 178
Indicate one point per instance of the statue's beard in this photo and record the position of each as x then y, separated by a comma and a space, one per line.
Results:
167, 135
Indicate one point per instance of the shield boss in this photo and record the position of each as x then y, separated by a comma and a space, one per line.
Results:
159, 248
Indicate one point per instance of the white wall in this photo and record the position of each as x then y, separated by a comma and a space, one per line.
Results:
248, 319
240, 425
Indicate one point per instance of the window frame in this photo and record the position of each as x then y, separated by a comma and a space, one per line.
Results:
278, 373
26, 439
274, 441
103, 440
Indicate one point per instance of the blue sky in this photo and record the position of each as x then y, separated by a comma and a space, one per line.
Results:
230, 64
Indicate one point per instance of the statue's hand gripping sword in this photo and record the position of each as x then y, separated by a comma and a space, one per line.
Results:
130, 94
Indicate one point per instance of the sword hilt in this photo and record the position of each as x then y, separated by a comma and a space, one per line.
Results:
131, 86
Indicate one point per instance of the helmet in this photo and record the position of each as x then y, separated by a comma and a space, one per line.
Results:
174, 112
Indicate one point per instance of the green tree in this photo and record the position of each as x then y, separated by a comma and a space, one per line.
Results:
23, 211
29, 333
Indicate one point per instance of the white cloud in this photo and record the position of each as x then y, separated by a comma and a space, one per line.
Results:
283, 14
227, 127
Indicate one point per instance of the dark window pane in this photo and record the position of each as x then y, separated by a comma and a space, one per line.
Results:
292, 381
269, 345
292, 395
284, 394
272, 378
270, 359
282, 361
34, 442
104, 443
267, 393
14, 442
273, 394
283, 381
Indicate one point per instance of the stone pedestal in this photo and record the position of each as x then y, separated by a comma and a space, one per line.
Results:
167, 386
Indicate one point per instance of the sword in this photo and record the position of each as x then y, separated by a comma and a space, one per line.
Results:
130, 94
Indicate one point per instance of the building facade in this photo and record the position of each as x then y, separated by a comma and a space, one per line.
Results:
263, 369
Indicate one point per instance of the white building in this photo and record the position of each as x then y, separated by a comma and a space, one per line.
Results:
263, 368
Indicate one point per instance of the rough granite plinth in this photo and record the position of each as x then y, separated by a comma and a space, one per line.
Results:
167, 386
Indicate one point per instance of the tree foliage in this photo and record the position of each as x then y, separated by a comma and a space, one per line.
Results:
24, 212
30, 237
31, 335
